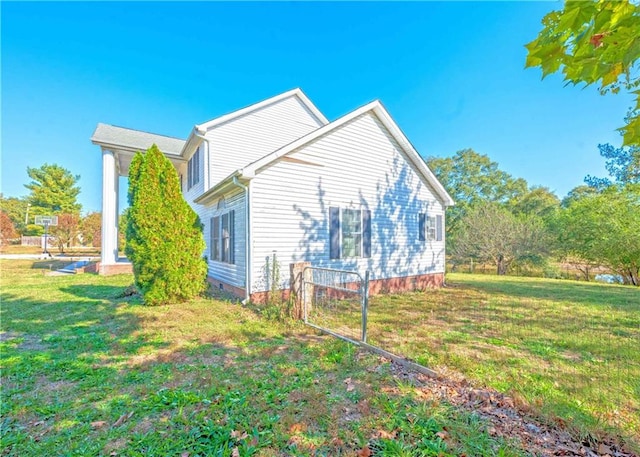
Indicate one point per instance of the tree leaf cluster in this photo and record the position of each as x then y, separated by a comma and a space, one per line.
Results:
497, 218
504, 222
603, 228
594, 42
54, 190
164, 235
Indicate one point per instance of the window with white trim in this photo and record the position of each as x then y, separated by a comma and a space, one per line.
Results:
349, 233
429, 227
193, 169
223, 237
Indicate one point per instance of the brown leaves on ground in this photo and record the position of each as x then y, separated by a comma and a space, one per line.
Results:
365, 452
507, 418
383, 434
297, 428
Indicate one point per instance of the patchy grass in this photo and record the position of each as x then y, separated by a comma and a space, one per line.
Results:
570, 350
87, 373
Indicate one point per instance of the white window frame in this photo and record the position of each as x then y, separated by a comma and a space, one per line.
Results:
430, 228
193, 169
355, 234
222, 239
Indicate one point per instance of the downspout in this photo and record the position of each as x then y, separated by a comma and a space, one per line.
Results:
247, 238
207, 178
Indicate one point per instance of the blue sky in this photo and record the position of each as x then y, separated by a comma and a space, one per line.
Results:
451, 74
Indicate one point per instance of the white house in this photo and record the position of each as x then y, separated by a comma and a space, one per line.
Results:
278, 177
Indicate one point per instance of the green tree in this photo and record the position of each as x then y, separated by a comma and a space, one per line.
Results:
123, 219
622, 164
471, 178
91, 229
578, 193
164, 235
538, 201
491, 233
54, 190
16, 208
601, 228
594, 42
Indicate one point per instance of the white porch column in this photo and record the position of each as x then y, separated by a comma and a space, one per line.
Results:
109, 208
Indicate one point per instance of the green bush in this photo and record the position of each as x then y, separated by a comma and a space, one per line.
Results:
164, 235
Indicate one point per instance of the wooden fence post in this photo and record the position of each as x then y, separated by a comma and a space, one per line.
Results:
296, 281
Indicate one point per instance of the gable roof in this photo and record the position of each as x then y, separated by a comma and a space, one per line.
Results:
201, 129
383, 115
134, 140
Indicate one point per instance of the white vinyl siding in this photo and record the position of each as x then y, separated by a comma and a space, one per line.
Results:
231, 270
248, 138
359, 166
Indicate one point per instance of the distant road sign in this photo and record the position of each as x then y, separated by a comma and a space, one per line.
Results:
47, 220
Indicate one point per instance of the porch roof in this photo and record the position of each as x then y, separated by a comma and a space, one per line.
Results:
124, 143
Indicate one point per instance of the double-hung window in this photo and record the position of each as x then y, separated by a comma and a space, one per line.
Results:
349, 233
193, 169
223, 237
429, 227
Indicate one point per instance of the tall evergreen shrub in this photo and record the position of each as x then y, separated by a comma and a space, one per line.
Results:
164, 235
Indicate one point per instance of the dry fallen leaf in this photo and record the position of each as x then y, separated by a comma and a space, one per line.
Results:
297, 428
604, 449
238, 435
98, 424
184, 454
384, 435
364, 452
122, 419
235, 452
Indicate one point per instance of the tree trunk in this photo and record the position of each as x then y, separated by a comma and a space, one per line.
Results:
502, 266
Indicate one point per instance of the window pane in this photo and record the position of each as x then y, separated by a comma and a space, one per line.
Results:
431, 228
216, 238
358, 245
351, 233
225, 237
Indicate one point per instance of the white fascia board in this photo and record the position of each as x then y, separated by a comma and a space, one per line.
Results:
219, 188
192, 142
378, 109
250, 170
416, 158
120, 147
203, 128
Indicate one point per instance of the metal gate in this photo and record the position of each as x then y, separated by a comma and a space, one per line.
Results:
336, 301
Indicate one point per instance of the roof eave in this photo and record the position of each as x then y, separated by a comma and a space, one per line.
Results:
414, 156
222, 187
205, 127
132, 149
378, 109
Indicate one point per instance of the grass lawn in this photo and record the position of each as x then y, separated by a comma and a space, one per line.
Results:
569, 349
85, 372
